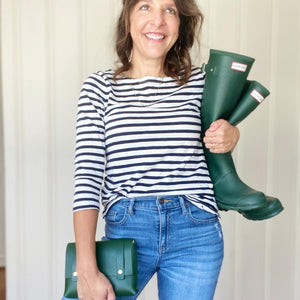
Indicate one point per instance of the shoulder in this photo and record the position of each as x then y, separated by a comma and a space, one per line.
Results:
197, 73
197, 77
96, 88
99, 80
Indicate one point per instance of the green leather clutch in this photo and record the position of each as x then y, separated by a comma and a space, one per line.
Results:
116, 259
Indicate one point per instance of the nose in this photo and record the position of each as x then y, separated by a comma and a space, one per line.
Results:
158, 17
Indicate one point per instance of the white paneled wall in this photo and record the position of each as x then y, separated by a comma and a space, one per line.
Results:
2, 214
48, 47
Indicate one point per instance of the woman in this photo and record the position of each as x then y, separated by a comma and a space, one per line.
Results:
138, 145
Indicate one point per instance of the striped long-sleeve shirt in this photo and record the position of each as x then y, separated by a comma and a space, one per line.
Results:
140, 137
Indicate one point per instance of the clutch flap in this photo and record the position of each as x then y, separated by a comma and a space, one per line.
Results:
114, 258
118, 257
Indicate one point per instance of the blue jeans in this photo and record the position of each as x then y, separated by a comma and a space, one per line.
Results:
180, 242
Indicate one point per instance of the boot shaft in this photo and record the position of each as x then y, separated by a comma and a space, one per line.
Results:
254, 93
226, 75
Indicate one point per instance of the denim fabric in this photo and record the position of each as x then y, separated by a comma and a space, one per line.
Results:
180, 242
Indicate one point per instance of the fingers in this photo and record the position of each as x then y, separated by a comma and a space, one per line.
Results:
217, 147
111, 294
217, 142
215, 126
213, 140
111, 297
221, 137
96, 287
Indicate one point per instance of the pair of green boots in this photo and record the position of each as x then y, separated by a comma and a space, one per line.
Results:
229, 95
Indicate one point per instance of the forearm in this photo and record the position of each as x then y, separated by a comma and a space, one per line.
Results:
85, 223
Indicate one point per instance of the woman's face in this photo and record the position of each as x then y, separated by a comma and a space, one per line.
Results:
154, 28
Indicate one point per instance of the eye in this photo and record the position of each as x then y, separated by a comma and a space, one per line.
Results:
171, 10
144, 7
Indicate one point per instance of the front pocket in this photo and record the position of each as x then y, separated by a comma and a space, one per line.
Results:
117, 214
200, 216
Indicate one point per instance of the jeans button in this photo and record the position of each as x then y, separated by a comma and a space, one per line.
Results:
161, 201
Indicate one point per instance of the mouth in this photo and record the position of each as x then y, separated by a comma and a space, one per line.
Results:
155, 36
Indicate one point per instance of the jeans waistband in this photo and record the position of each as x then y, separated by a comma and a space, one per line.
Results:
156, 202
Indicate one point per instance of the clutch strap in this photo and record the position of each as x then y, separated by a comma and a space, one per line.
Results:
120, 262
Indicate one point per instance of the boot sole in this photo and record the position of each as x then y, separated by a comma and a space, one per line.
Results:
263, 213
238, 207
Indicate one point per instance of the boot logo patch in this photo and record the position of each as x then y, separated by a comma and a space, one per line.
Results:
257, 96
238, 66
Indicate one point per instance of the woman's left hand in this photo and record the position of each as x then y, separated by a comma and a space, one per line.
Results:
221, 137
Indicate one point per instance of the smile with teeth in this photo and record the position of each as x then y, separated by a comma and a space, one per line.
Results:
155, 36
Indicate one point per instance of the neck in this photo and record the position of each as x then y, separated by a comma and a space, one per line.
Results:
149, 68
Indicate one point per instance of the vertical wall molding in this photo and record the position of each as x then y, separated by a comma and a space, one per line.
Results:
271, 138
2, 207
297, 212
11, 85
51, 153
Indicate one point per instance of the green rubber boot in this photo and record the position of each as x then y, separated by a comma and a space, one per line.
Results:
254, 93
226, 77
271, 209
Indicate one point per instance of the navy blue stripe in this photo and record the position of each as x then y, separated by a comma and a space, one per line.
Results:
151, 155
129, 113
82, 207
152, 118
164, 147
181, 139
152, 124
140, 132
154, 163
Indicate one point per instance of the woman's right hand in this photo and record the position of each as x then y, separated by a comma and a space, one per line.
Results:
94, 287
91, 283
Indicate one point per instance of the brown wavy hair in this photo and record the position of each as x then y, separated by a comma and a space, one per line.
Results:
178, 61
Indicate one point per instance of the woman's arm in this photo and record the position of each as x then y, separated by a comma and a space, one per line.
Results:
221, 137
88, 178
91, 284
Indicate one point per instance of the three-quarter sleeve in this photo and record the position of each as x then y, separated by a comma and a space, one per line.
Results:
90, 144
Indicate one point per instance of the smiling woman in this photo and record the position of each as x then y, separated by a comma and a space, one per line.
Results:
139, 148
185, 14
154, 29
42, 67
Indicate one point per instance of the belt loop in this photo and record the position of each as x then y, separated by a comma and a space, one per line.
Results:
130, 207
182, 204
